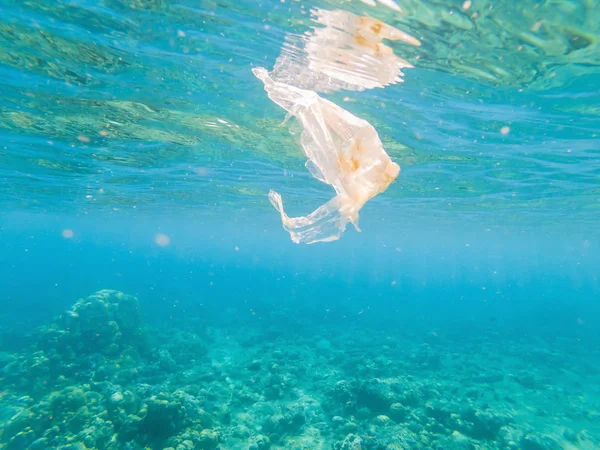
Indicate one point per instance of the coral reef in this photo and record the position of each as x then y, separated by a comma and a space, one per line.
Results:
98, 378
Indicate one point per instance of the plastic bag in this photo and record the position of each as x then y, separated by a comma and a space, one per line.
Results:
343, 151
347, 53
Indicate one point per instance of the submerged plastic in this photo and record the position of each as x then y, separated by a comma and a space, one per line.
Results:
343, 151
346, 53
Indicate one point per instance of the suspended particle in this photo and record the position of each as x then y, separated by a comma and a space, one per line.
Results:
162, 240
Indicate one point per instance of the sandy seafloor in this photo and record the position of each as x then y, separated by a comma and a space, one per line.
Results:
100, 377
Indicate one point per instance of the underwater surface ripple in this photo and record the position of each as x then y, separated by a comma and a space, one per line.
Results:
141, 103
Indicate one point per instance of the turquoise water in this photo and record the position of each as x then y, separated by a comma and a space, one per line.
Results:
151, 298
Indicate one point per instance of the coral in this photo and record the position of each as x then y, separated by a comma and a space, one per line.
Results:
20, 420
98, 434
398, 412
456, 441
288, 421
106, 322
382, 420
350, 442
340, 398
208, 439
440, 410
539, 442
377, 395
164, 416
260, 442
156, 400
484, 424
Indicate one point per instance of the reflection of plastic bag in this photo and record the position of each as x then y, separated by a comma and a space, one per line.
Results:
347, 53
343, 151
389, 3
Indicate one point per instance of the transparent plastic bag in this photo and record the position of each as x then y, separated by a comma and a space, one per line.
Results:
347, 52
343, 151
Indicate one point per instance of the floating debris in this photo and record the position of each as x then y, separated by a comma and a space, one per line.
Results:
343, 150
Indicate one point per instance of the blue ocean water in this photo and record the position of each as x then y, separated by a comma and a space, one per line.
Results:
151, 298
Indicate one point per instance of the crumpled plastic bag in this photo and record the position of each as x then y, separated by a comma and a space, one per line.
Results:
343, 151
346, 53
